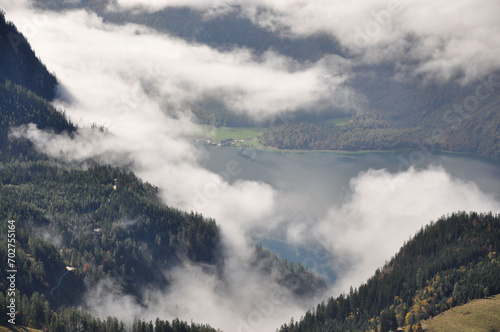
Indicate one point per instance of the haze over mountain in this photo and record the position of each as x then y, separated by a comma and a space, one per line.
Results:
144, 72
426, 85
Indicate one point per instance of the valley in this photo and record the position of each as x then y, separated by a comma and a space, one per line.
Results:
206, 166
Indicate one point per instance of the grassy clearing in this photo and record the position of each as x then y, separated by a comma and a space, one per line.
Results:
478, 315
217, 134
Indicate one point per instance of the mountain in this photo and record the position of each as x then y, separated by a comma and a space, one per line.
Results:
447, 263
19, 63
412, 113
78, 226
85, 227
405, 116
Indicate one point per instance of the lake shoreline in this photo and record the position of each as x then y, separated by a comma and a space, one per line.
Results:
248, 137
359, 152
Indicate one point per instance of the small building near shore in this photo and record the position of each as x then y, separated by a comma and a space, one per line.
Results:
226, 142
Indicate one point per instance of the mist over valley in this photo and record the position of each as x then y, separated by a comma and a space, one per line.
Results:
141, 203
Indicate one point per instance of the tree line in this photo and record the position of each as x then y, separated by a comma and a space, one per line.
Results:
446, 263
36, 312
478, 134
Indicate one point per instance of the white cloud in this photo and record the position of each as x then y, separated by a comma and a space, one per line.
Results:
121, 77
383, 210
130, 58
445, 36
244, 302
439, 38
160, 4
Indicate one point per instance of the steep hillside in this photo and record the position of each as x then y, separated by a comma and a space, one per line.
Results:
19, 64
77, 226
405, 116
20, 106
446, 264
74, 226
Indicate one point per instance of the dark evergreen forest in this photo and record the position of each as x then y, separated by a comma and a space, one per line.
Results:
447, 263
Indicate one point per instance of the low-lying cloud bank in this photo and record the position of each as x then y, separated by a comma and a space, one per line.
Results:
137, 65
383, 211
437, 39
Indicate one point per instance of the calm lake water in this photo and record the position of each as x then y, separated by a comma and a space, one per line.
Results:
314, 181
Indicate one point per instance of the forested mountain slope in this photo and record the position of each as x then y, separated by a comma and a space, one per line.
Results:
98, 222
95, 222
19, 64
76, 226
477, 132
403, 115
447, 263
